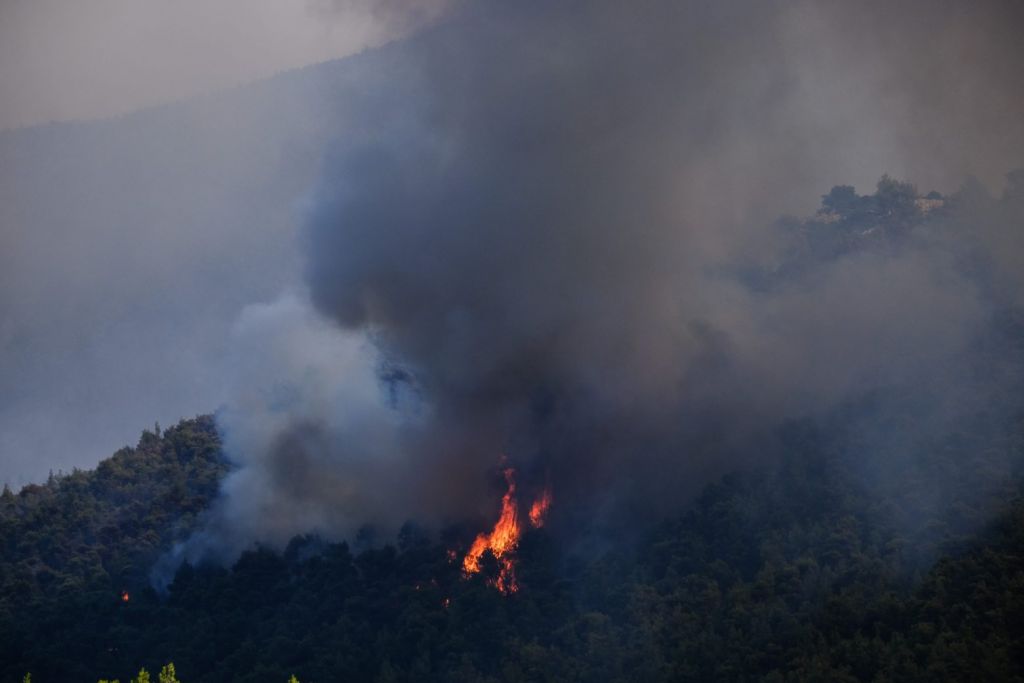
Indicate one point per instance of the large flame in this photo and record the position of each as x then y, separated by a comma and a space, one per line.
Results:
504, 537
501, 541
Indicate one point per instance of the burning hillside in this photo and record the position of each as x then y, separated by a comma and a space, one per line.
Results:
555, 236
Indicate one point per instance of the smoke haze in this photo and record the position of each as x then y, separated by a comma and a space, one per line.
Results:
538, 236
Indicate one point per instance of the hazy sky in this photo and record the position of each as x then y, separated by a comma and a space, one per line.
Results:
73, 59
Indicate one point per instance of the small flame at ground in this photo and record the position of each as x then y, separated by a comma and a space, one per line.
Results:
504, 537
125, 597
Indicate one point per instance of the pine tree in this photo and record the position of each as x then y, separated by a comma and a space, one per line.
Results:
167, 675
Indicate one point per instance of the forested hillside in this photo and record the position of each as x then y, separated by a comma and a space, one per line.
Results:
881, 540
87, 537
796, 572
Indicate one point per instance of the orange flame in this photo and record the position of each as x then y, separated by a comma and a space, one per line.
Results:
539, 509
504, 537
502, 540
125, 597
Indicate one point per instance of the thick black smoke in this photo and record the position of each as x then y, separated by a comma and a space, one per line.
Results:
540, 245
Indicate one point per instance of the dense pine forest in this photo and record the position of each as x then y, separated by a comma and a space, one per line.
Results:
865, 544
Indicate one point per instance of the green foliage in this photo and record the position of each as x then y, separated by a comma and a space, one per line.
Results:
167, 675
796, 571
102, 530
73, 544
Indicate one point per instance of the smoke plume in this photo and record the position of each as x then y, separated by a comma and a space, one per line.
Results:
539, 245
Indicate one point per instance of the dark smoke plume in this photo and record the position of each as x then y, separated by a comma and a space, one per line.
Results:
536, 245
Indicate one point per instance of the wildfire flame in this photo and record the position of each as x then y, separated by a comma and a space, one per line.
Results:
504, 537
125, 597
501, 541
539, 509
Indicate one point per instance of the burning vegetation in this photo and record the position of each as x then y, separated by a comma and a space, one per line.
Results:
503, 539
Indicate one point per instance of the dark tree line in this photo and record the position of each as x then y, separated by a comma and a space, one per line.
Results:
797, 571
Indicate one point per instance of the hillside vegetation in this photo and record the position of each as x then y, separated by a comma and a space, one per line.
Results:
85, 537
792, 573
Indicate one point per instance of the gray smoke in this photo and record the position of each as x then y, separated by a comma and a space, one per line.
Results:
534, 245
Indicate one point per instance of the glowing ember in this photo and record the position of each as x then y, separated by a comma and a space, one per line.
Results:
504, 537
539, 509
125, 597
